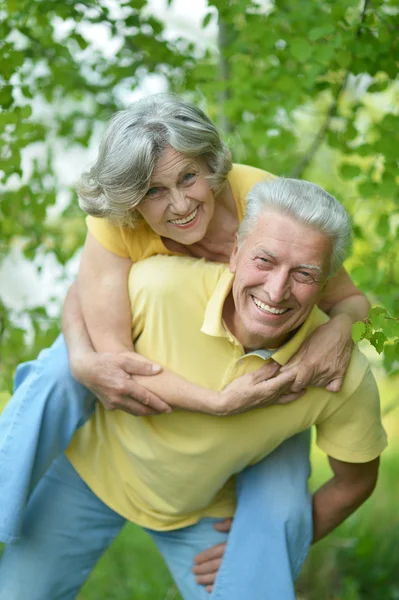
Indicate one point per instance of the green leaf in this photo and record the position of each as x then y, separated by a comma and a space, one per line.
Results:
6, 97
301, 49
349, 171
378, 317
382, 227
206, 20
358, 331
322, 31
378, 87
378, 340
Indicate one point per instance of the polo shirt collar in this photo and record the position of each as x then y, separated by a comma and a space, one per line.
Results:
213, 322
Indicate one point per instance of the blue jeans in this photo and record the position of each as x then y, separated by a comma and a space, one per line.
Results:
272, 529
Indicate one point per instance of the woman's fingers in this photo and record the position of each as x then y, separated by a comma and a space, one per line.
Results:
134, 364
266, 371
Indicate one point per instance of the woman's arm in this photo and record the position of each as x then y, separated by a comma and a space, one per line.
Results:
324, 357
104, 297
108, 376
129, 382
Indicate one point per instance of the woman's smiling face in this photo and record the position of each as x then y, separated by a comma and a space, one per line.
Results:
179, 203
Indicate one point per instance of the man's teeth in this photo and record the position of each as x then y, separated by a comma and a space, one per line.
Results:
269, 309
190, 217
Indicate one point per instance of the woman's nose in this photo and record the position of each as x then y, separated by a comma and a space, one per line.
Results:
179, 203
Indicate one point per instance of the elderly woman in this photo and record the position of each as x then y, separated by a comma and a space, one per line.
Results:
163, 183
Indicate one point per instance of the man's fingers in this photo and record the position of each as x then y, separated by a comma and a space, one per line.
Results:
223, 526
210, 554
207, 568
207, 579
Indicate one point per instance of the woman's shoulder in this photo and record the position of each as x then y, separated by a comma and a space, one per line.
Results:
248, 173
136, 243
241, 179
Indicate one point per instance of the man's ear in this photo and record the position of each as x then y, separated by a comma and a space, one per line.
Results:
234, 256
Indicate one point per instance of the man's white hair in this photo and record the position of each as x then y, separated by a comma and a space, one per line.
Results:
306, 202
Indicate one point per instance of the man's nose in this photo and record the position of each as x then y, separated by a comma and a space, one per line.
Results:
179, 203
278, 287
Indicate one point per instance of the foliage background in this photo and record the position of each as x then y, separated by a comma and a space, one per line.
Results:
307, 89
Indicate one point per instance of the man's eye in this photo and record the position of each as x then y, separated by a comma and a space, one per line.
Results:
304, 277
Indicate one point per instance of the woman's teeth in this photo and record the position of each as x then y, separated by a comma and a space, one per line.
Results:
187, 219
269, 309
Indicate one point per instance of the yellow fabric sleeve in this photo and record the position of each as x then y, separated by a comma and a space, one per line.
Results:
109, 236
354, 432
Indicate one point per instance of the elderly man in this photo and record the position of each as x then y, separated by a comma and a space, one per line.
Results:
173, 473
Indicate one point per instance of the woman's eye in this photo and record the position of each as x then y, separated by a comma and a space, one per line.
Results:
189, 177
153, 191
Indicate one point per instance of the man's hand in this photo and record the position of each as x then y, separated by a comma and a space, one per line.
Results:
111, 379
323, 358
264, 387
207, 563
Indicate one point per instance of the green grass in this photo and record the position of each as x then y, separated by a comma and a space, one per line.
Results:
131, 570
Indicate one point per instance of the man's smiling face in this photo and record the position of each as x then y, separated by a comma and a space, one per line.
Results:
280, 271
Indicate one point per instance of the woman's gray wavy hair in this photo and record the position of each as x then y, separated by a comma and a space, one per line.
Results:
133, 141
309, 204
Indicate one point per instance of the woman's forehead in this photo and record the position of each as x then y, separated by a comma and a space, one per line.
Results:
171, 163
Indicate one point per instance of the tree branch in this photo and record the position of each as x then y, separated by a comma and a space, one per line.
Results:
298, 170
224, 36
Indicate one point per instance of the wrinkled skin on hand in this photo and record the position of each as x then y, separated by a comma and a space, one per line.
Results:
207, 563
263, 387
323, 358
111, 379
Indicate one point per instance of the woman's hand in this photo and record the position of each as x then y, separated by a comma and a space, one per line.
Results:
263, 387
207, 563
323, 358
111, 379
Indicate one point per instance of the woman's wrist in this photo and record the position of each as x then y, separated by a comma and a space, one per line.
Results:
80, 363
343, 321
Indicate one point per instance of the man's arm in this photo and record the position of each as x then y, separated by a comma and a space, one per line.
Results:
350, 486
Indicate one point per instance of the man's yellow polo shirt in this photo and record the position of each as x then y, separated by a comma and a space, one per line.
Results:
168, 471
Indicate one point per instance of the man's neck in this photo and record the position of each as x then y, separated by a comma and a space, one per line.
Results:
248, 341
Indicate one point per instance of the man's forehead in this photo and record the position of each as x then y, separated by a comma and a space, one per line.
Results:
277, 235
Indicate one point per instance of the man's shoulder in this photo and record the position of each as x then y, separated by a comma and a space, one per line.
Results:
179, 276
358, 376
